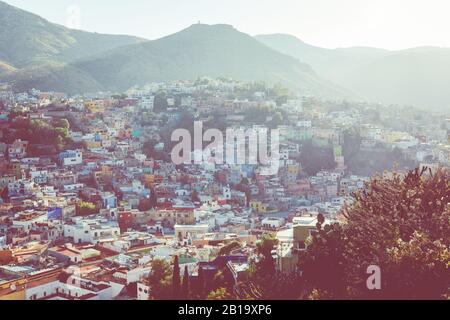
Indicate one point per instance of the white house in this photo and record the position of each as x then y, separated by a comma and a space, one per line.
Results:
71, 158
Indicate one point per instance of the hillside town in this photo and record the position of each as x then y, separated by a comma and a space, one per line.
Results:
91, 203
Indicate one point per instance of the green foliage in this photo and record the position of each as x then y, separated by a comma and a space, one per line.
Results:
199, 285
315, 158
323, 263
176, 278
54, 133
185, 285
400, 224
160, 103
33, 40
195, 196
220, 294
226, 249
365, 162
160, 280
277, 286
265, 263
223, 279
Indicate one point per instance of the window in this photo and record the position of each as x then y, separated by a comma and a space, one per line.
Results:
302, 245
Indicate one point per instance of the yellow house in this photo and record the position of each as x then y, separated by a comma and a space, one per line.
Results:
258, 206
94, 106
293, 169
13, 290
90, 144
391, 137
149, 179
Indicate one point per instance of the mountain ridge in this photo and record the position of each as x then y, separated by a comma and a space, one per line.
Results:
53, 57
27, 39
413, 76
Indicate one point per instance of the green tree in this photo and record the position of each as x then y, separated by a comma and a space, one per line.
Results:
315, 158
264, 248
195, 197
176, 278
4, 195
219, 294
223, 279
400, 224
199, 287
185, 285
323, 264
226, 249
159, 280
160, 103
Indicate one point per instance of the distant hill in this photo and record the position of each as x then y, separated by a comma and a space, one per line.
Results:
203, 50
39, 54
52, 76
417, 76
28, 40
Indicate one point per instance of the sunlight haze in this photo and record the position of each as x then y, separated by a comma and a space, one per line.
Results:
385, 24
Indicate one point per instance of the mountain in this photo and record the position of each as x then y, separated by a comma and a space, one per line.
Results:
39, 54
52, 76
35, 53
203, 50
29, 40
333, 64
416, 76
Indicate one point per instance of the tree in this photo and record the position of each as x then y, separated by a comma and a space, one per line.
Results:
226, 249
149, 148
160, 103
323, 263
195, 197
223, 279
185, 285
400, 224
219, 294
199, 288
277, 119
37, 131
61, 123
160, 280
315, 158
4, 195
264, 278
264, 248
153, 199
176, 278
279, 286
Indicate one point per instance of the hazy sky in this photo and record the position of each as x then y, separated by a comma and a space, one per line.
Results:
390, 24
